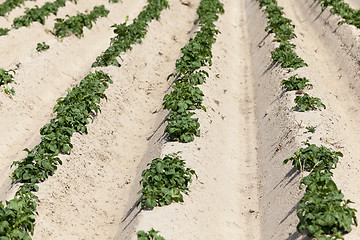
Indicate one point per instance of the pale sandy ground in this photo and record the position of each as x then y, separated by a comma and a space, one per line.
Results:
243, 191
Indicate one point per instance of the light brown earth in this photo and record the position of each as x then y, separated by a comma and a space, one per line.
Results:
243, 191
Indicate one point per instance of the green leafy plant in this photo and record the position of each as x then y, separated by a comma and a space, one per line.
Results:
4, 31
7, 77
42, 47
322, 210
285, 55
295, 83
306, 103
150, 235
314, 158
311, 129
182, 127
17, 217
164, 181
184, 97
75, 24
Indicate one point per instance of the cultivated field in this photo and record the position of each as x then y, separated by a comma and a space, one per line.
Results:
250, 126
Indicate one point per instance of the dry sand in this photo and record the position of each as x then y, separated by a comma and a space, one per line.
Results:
244, 191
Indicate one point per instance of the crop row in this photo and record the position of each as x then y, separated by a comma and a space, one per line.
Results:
322, 211
339, 7
284, 54
166, 179
127, 35
186, 95
75, 24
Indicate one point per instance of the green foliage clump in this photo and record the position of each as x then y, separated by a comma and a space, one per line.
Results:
42, 47
150, 235
164, 181
306, 102
4, 31
295, 83
75, 24
314, 158
7, 77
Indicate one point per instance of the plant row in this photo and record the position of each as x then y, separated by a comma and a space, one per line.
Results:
166, 179
284, 54
127, 35
339, 7
186, 96
39, 14
75, 24
322, 211
36, 14
73, 113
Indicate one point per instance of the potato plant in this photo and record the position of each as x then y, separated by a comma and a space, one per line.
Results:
75, 24
6, 77
323, 213
150, 235
164, 181
40, 47
295, 83
4, 31
307, 103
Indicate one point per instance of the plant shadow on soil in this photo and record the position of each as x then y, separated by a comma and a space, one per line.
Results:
289, 177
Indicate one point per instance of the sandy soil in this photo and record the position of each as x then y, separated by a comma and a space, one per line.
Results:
244, 191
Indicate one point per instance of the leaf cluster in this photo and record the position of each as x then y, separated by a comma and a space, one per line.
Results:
164, 181
75, 24
306, 102
17, 216
127, 35
72, 115
42, 47
150, 235
186, 95
9, 5
322, 211
295, 83
314, 158
6, 77
4, 31
38, 14
351, 16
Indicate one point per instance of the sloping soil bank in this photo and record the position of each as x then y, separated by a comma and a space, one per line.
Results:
333, 56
